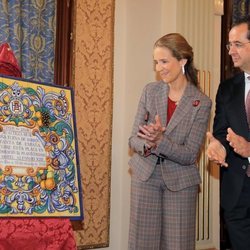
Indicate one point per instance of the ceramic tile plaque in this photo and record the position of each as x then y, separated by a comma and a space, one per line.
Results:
39, 169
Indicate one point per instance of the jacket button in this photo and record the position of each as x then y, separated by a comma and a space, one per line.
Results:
244, 167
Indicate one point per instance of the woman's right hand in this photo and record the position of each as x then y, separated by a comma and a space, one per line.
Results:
153, 132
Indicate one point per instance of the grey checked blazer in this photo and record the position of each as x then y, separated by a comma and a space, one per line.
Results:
182, 140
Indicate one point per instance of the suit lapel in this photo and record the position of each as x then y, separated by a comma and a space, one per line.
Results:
162, 102
182, 108
237, 105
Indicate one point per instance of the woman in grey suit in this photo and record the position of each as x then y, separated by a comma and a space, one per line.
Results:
167, 135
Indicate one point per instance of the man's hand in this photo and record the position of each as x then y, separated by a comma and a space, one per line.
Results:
240, 145
216, 151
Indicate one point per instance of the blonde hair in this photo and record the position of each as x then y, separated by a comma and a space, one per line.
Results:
180, 49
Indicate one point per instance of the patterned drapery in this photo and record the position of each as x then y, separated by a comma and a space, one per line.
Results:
29, 28
241, 8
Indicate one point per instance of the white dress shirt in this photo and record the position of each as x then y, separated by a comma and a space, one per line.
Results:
247, 88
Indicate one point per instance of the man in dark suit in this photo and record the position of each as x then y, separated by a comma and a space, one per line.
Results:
230, 143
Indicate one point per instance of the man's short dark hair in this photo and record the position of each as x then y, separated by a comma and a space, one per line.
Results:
241, 20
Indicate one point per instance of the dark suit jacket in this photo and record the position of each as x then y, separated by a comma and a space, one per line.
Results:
230, 112
182, 140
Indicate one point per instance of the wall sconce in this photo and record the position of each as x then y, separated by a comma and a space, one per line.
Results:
218, 7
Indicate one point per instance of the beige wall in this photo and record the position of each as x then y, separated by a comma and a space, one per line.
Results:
138, 23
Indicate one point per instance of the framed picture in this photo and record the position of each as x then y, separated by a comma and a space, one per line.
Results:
39, 166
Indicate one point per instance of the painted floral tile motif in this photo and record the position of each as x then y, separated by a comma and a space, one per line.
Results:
39, 169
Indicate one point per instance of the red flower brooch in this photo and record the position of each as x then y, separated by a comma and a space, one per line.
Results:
196, 103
